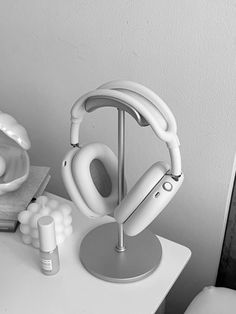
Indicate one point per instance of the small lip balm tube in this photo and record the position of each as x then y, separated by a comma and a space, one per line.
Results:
49, 257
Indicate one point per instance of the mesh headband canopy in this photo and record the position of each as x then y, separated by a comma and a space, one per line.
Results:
128, 93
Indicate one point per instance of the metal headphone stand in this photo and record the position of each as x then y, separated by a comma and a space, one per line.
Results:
123, 258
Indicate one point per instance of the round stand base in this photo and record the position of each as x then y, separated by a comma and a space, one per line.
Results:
99, 256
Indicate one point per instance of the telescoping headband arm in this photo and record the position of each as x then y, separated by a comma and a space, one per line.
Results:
151, 112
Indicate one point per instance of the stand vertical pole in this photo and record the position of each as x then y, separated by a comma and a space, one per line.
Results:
120, 247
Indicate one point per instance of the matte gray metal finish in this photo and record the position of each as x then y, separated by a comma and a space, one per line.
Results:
120, 247
94, 103
99, 256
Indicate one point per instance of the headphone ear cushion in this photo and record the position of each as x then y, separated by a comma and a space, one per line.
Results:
139, 191
95, 171
71, 186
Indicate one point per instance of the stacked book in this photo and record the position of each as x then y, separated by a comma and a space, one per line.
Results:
14, 202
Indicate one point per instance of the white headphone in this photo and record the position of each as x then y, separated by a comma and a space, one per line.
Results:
90, 173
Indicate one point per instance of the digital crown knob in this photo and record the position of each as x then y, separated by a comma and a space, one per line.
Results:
167, 186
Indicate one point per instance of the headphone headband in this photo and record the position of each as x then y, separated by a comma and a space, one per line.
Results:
129, 94
138, 89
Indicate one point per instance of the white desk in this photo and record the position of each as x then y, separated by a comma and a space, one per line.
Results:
24, 289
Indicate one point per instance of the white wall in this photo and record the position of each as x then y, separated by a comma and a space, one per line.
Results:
54, 51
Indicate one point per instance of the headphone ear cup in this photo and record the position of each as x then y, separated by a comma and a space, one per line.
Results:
95, 171
71, 186
139, 191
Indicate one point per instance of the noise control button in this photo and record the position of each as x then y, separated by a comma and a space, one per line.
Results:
167, 186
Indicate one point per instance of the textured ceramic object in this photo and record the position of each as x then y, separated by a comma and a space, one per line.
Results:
14, 160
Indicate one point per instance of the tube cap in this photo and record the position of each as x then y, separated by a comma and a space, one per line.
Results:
47, 236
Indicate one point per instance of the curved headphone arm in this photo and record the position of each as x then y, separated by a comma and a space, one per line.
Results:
148, 112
